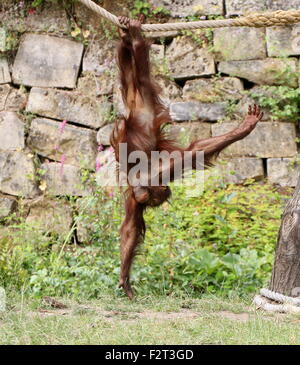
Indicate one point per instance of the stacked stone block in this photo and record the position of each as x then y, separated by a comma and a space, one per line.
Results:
60, 97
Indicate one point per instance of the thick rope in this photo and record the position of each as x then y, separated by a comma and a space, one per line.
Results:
268, 19
262, 303
279, 297
284, 304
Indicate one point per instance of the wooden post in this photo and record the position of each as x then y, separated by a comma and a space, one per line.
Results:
286, 271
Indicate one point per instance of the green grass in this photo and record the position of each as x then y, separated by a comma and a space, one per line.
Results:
220, 242
146, 320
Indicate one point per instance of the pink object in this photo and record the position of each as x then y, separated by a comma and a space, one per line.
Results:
62, 162
98, 165
100, 148
62, 126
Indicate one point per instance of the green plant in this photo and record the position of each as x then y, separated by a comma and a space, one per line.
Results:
283, 102
140, 7
283, 73
160, 11
203, 38
37, 3
144, 7
231, 109
222, 241
12, 41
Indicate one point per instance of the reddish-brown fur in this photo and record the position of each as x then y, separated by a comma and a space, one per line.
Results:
141, 98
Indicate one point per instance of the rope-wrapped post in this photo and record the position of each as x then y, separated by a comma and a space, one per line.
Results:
271, 301
268, 19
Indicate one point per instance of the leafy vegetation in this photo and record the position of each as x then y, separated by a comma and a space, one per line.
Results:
202, 37
37, 3
283, 102
221, 242
144, 7
141, 7
11, 41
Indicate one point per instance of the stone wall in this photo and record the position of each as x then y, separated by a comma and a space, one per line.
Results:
59, 93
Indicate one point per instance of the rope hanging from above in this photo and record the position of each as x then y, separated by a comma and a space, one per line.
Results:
269, 19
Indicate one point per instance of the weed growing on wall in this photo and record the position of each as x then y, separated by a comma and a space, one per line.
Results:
144, 7
283, 102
